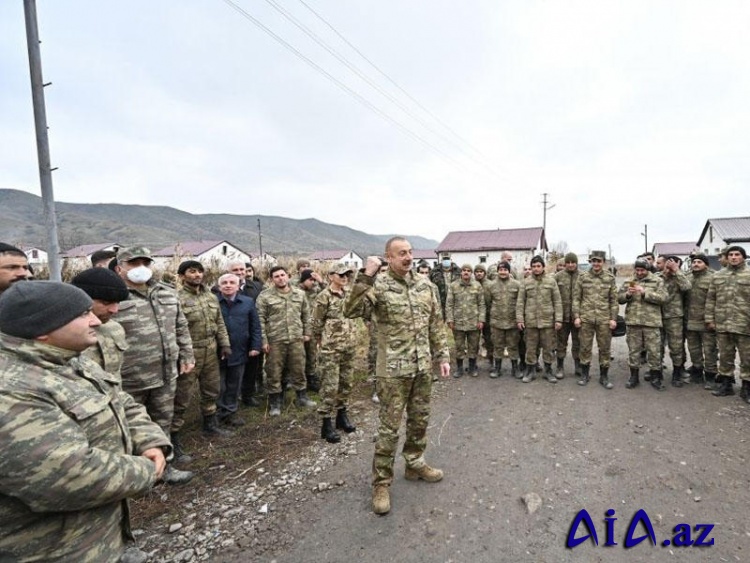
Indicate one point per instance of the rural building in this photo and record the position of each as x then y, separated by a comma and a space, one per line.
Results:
36, 256
680, 249
718, 233
79, 257
486, 247
347, 258
429, 256
210, 253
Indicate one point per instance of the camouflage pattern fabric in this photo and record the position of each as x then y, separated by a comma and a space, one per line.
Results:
289, 358
442, 279
566, 283
505, 339
644, 310
284, 317
595, 303
678, 287
730, 345
486, 330
728, 300
603, 334
674, 338
108, 351
159, 403
640, 338
703, 348
467, 343
537, 338
568, 332
336, 370
501, 297
465, 306
72, 445
696, 300
539, 304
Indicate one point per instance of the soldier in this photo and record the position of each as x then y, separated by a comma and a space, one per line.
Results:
159, 345
643, 296
285, 325
443, 277
566, 280
595, 314
75, 446
14, 266
423, 268
210, 343
102, 258
728, 313
673, 313
336, 337
539, 315
701, 341
410, 333
465, 311
501, 298
480, 274
312, 284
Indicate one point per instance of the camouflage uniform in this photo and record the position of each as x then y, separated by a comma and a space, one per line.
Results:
311, 348
337, 337
442, 280
284, 321
487, 330
701, 341
501, 297
595, 303
539, 307
566, 283
158, 341
410, 331
465, 308
111, 344
72, 445
673, 315
207, 331
643, 319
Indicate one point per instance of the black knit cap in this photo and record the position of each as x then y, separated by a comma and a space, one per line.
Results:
187, 264
737, 248
641, 263
102, 284
503, 265
537, 260
5, 247
700, 256
29, 309
305, 275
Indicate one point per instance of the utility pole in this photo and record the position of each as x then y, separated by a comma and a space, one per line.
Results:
42, 140
260, 243
644, 234
545, 208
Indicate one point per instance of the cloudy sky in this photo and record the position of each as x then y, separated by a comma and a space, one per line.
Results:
626, 113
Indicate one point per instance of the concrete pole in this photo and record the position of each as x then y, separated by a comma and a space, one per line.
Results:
42, 140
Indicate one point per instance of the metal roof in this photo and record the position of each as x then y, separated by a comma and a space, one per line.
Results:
676, 248
193, 248
498, 239
336, 254
87, 249
730, 229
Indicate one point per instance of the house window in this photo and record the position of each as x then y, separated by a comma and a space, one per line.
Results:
224, 250
710, 234
35, 254
482, 259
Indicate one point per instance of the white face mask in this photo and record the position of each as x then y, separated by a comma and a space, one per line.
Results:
446, 264
139, 275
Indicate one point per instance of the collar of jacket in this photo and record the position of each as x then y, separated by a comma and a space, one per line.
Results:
197, 290
36, 352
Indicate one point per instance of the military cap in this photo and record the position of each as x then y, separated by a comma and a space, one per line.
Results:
598, 254
700, 256
640, 263
134, 252
100, 255
187, 264
480, 267
467, 267
736, 248
302, 263
571, 257
102, 284
340, 269
305, 275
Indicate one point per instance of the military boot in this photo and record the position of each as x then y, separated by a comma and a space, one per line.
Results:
497, 367
745, 391
174, 476
577, 367
604, 377
560, 372
381, 499
514, 371
549, 376
274, 404
303, 400
180, 456
211, 426
724, 386
656, 379
342, 421
425, 473
710, 380
530, 374
696, 374
459, 369
313, 383
633, 381
327, 431
473, 369
677, 376
584, 377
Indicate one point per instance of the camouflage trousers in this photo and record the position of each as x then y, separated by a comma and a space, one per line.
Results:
703, 349
536, 338
603, 335
372, 350
568, 330
730, 345
674, 338
311, 357
206, 372
640, 338
467, 343
159, 403
289, 356
489, 345
505, 338
396, 395
336, 369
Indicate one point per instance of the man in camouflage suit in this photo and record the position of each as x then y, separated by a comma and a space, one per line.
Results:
701, 341
595, 314
443, 277
728, 313
643, 296
566, 280
14, 266
501, 298
410, 333
335, 335
480, 275
159, 346
285, 324
311, 283
539, 314
75, 446
465, 312
210, 344
673, 314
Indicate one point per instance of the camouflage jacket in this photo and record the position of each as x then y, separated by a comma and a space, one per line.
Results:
539, 304
677, 286
331, 328
643, 310
566, 283
728, 300
203, 314
501, 297
595, 297
158, 337
465, 305
442, 280
410, 330
108, 351
72, 444
696, 302
284, 317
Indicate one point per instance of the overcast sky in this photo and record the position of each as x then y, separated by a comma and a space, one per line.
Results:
626, 113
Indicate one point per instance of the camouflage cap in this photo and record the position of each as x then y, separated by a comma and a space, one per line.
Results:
340, 269
571, 257
467, 267
133, 252
598, 254
480, 267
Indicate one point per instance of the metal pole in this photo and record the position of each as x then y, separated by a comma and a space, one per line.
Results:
42, 140
260, 243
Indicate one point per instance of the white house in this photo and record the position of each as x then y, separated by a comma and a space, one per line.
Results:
429, 256
486, 247
208, 252
79, 257
347, 258
36, 256
718, 233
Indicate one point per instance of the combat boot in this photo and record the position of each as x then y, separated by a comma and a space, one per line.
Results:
174, 476
303, 400
497, 367
633, 381
211, 426
677, 376
473, 369
530, 374
560, 373
425, 473
710, 380
180, 456
313, 383
459, 369
274, 404
745, 391
381, 499
604, 377
548, 373
578, 367
724, 386
514, 371
328, 432
342, 421
656, 379
584, 378
696, 374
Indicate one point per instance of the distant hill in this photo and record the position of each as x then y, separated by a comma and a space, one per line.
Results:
22, 223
